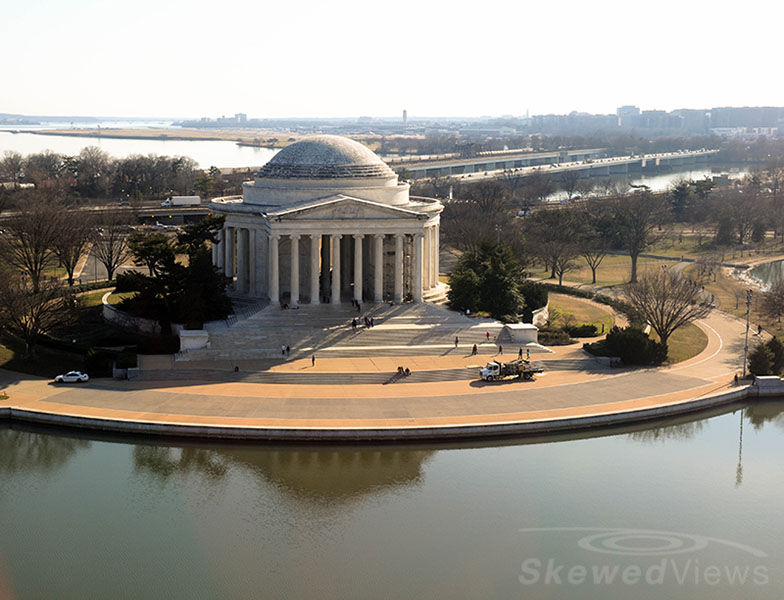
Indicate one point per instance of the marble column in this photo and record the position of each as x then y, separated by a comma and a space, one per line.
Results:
335, 268
358, 266
398, 268
252, 291
216, 249
436, 254
294, 300
228, 255
274, 282
325, 262
378, 268
417, 258
314, 269
426, 257
242, 260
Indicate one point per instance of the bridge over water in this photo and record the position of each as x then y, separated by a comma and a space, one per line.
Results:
588, 163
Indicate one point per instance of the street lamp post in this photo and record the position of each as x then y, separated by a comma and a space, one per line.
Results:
746, 346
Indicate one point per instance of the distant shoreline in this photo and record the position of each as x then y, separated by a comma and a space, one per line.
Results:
261, 139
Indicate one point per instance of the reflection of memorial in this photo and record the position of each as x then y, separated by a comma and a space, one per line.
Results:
332, 475
338, 475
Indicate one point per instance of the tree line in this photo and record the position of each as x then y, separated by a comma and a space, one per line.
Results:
95, 175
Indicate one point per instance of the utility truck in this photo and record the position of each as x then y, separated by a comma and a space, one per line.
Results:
181, 201
522, 369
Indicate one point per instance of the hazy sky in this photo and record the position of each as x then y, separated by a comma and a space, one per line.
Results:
195, 58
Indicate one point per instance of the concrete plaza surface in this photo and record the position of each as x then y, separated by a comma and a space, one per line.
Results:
361, 398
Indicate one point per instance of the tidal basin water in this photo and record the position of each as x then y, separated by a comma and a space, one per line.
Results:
688, 508
769, 273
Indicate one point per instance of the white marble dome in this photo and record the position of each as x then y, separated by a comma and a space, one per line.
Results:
324, 165
325, 157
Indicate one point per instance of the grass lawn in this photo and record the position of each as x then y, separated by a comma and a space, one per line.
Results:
46, 363
686, 342
614, 270
93, 298
115, 299
583, 311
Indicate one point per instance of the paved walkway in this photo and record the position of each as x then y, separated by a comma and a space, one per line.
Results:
359, 396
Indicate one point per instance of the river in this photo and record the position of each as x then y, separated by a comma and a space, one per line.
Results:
679, 510
227, 154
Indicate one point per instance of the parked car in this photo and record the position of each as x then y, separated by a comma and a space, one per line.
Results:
72, 377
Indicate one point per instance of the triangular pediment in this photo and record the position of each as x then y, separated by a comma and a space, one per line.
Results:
340, 207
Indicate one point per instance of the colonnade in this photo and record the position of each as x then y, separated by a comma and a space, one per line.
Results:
329, 268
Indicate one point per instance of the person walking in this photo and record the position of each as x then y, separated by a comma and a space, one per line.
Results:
520, 354
283, 350
288, 350
313, 360
474, 350
500, 349
527, 354
457, 341
488, 335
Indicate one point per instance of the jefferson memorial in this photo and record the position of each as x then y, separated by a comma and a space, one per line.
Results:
326, 220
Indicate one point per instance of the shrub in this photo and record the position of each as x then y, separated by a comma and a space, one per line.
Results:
761, 360
126, 360
130, 281
777, 351
554, 337
98, 362
632, 345
584, 330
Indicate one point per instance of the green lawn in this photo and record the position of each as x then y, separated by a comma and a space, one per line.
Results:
45, 363
687, 341
582, 311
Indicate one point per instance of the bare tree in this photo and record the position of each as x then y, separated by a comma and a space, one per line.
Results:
537, 186
569, 180
667, 300
551, 235
30, 236
637, 222
12, 167
773, 301
110, 241
29, 313
75, 230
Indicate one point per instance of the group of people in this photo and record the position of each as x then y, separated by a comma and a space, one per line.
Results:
368, 322
405, 372
355, 304
285, 350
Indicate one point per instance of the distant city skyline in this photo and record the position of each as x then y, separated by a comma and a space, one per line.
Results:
191, 59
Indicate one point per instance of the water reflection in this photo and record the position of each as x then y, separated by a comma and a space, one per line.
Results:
769, 273
26, 451
760, 413
163, 461
336, 475
679, 431
324, 475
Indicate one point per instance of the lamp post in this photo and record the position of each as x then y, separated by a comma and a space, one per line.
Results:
746, 346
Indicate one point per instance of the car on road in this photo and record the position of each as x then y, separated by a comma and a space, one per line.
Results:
72, 377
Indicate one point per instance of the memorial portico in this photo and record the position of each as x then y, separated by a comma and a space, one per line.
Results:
327, 221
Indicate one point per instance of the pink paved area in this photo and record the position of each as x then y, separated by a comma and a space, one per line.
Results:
559, 394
